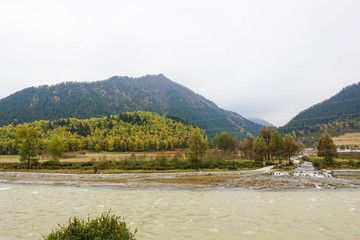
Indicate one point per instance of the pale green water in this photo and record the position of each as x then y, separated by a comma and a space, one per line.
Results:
30, 212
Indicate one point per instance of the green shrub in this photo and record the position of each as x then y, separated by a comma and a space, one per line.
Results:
104, 163
352, 163
317, 164
51, 164
104, 227
305, 158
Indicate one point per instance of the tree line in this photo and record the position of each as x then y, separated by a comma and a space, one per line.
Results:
268, 146
132, 131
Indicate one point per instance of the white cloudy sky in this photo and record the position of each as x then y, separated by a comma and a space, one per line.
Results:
262, 58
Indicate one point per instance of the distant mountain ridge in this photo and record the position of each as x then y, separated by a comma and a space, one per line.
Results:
154, 93
260, 121
338, 114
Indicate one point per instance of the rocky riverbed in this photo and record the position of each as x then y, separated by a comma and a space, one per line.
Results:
253, 180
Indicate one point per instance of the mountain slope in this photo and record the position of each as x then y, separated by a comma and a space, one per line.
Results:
339, 114
154, 93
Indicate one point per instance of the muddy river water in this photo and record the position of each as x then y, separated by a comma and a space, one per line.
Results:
31, 211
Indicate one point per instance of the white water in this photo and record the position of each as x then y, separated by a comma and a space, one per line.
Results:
30, 212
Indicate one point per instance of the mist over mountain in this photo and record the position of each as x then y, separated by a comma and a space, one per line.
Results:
154, 93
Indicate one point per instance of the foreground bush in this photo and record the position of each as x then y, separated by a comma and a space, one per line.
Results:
104, 227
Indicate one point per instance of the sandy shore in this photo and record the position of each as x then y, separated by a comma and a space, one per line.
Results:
253, 180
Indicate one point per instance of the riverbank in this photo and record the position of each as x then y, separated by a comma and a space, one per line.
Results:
252, 180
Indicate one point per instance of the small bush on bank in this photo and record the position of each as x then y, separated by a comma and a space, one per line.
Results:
52, 164
305, 158
269, 163
104, 227
318, 164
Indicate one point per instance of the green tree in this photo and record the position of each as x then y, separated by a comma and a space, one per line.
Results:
260, 148
226, 142
110, 144
97, 147
56, 147
276, 146
291, 147
28, 142
327, 149
198, 147
215, 141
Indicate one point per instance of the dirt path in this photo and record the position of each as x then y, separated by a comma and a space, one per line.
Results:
306, 166
264, 169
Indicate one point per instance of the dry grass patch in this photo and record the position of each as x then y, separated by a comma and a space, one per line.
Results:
74, 171
199, 180
105, 180
347, 139
9, 159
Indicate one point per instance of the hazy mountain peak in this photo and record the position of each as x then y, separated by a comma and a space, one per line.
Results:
260, 121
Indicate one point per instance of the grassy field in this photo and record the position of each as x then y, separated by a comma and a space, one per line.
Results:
109, 162
340, 163
92, 156
350, 139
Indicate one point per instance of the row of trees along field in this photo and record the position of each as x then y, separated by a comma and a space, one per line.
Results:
198, 156
132, 131
268, 145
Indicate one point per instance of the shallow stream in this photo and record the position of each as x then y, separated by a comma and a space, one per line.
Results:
31, 211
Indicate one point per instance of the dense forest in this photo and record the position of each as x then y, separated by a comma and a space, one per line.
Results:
131, 131
154, 93
338, 115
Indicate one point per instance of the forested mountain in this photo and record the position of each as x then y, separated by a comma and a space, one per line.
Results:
136, 131
154, 93
338, 115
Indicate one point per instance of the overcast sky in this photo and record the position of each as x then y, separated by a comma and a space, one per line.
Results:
260, 58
